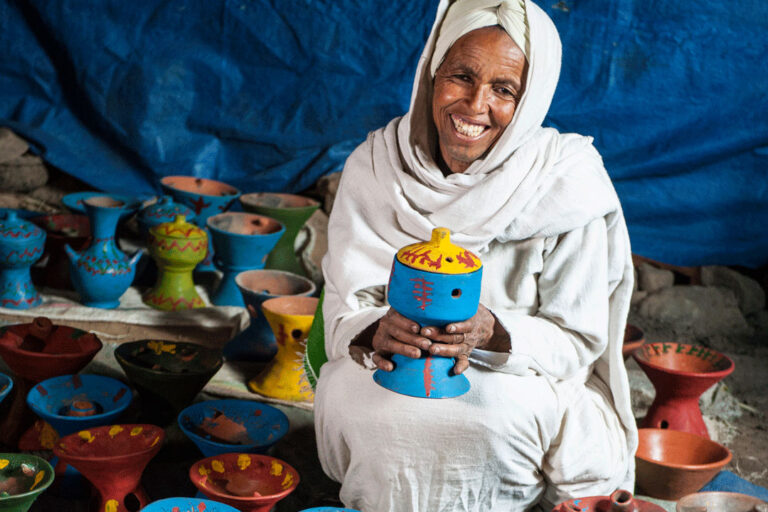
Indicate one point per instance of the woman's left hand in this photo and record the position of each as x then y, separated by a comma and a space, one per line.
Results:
459, 339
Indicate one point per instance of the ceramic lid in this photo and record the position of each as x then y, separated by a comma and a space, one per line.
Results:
179, 228
14, 229
164, 210
439, 255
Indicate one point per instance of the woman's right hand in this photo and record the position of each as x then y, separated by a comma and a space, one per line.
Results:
396, 334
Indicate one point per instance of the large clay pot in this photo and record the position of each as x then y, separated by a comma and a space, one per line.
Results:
23, 477
250, 483
293, 211
62, 229
680, 373
102, 272
618, 501
242, 242
433, 283
284, 377
113, 458
257, 342
21, 245
177, 247
206, 197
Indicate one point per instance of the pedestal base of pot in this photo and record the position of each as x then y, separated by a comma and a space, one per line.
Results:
426, 377
17, 290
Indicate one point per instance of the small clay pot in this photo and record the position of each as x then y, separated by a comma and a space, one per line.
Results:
634, 338
62, 229
671, 464
618, 501
720, 502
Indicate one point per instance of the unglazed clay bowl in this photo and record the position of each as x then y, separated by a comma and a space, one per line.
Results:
250, 483
719, 502
23, 477
6, 385
634, 338
233, 426
187, 505
671, 464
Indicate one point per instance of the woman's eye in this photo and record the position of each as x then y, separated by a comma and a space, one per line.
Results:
463, 78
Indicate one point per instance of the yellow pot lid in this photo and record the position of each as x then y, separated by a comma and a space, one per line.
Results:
179, 228
439, 255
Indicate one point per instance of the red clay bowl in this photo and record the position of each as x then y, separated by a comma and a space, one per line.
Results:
719, 502
634, 338
671, 464
684, 359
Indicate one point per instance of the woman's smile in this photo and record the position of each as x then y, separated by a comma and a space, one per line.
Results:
468, 129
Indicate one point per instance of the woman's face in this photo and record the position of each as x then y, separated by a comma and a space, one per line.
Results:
476, 92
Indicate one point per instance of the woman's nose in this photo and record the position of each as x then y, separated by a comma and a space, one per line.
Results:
478, 98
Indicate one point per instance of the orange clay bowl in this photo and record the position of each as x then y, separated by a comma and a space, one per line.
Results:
671, 464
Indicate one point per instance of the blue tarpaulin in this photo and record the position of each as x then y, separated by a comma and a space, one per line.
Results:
269, 95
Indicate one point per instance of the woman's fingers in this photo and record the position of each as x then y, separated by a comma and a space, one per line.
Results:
382, 363
462, 363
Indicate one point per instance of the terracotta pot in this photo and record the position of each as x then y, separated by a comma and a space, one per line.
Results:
671, 464
680, 373
634, 338
250, 483
619, 501
62, 229
719, 502
23, 478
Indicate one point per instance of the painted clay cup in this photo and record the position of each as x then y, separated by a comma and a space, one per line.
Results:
23, 477
719, 502
161, 211
284, 377
112, 458
167, 375
62, 229
433, 283
680, 373
206, 198
233, 426
250, 483
634, 338
21, 245
293, 211
177, 247
618, 501
257, 342
187, 505
671, 464
242, 242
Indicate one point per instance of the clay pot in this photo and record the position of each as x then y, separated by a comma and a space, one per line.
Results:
76, 202
671, 464
293, 211
187, 505
233, 426
23, 477
618, 501
250, 483
113, 458
21, 245
719, 502
161, 211
680, 373
242, 242
634, 338
61, 230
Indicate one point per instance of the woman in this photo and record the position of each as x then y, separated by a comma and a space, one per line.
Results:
548, 414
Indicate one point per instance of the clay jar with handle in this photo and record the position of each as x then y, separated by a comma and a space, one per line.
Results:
21, 245
618, 501
161, 211
433, 283
177, 247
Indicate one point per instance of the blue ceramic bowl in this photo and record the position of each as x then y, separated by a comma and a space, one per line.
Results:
251, 426
71, 403
75, 201
6, 385
187, 505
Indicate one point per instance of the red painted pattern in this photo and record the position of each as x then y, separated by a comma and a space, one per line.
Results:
25, 253
103, 270
18, 302
22, 234
422, 258
428, 383
282, 336
466, 259
199, 205
175, 303
422, 290
195, 246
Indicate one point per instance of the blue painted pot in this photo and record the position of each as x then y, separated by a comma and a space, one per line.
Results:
21, 245
160, 212
101, 273
76, 202
187, 505
6, 385
257, 342
233, 426
241, 242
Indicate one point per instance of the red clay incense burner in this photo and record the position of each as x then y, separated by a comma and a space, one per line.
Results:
618, 501
62, 229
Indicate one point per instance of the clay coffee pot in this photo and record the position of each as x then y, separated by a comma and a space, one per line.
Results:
21, 245
618, 501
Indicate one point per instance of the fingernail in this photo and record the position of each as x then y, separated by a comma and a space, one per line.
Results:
428, 332
436, 350
414, 328
451, 328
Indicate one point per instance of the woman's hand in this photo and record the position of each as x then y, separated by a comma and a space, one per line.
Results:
396, 334
459, 339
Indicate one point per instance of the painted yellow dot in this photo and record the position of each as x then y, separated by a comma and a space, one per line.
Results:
48, 436
159, 347
4, 463
136, 431
116, 429
203, 471
217, 466
277, 468
86, 436
38, 478
243, 461
111, 506
155, 441
287, 481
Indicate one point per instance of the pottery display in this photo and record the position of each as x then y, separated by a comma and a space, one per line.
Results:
187, 505
6, 385
680, 373
101, 273
177, 247
720, 502
284, 377
23, 477
62, 230
242, 242
250, 483
76, 202
112, 458
206, 197
618, 501
671, 464
233, 426
257, 342
167, 375
292, 211
634, 338
433, 283
21, 245
161, 211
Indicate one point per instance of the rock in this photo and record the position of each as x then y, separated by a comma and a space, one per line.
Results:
23, 173
748, 292
697, 310
653, 279
637, 297
313, 240
11, 145
327, 186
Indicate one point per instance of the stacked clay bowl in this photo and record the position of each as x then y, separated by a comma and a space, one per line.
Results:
250, 483
671, 464
23, 478
719, 502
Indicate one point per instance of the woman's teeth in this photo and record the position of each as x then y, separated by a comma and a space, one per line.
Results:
470, 130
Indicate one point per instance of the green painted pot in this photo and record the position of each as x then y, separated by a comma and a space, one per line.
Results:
23, 477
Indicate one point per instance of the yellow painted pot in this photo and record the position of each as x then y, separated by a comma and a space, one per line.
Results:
290, 318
